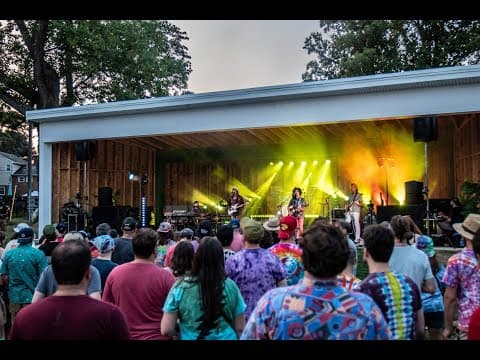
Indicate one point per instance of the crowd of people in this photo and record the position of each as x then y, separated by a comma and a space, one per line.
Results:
247, 280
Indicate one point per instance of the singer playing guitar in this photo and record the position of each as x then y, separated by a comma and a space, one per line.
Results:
296, 207
235, 204
353, 207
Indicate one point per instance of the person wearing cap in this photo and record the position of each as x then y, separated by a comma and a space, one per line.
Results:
462, 280
272, 225
185, 235
103, 262
123, 250
70, 314
317, 308
397, 295
254, 270
433, 308
60, 231
237, 242
21, 269
47, 284
288, 251
12, 244
48, 241
139, 288
165, 240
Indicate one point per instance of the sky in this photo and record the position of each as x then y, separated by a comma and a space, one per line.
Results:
240, 54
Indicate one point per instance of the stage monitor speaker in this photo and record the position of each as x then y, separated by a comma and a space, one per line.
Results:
416, 212
413, 192
425, 128
84, 150
105, 196
106, 214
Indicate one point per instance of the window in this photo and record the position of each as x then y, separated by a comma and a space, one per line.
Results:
8, 167
22, 179
2, 190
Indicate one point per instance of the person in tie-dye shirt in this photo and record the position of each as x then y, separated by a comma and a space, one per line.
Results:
396, 294
317, 308
462, 278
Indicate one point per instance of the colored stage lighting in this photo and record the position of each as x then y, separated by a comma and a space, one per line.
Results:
271, 163
315, 162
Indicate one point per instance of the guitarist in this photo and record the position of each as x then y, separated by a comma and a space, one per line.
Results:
296, 208
353, 207
235, 204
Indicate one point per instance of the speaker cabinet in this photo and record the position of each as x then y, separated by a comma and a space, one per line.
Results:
425, 128
416, 212
106, 214
105, 196
413, 192
84, 150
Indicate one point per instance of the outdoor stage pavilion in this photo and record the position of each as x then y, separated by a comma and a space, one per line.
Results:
319, 135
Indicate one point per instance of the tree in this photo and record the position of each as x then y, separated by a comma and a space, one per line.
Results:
14, 142
363, 47
55, 63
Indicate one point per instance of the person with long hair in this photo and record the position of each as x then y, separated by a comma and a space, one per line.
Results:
296, 208
206, 304
353, 208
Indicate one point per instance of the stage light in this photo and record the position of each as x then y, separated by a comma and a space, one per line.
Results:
133, 177
304, 163
315, 162
327, 161
281, 163
291, 163
271, 163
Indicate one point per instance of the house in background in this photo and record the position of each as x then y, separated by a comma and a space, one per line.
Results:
14, 171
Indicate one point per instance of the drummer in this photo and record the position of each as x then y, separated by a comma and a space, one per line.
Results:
198, 211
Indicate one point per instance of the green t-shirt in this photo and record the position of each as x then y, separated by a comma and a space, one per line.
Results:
184, 299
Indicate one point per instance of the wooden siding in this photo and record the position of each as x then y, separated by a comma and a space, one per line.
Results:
466, 140
108, 168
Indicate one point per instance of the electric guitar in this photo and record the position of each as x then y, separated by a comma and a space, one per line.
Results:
234, 208
297, 211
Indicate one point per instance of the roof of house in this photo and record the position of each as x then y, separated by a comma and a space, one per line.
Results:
23, 171
14, 158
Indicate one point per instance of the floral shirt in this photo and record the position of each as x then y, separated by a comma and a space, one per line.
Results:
463, 274
315, 311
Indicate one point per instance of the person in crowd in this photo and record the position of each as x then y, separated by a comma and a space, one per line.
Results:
254, 270
396, 294
48, 241
47, 285
113, 234
123, 250
103, 262
474, 323
70, 314
225, 236
237, 242
206, 305
165, 240
408, 260
182, 260
185, 235
462, 280
433, 308
414, 229
289, 253
3, 319
13, 243
139, 288
60, 231
296, 208
272, 225
102, 229
346, 278
20, 271
445, 221
317, 308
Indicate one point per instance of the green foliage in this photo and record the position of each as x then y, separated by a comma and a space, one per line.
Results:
363, 47
62, 63
470, 197
14, 142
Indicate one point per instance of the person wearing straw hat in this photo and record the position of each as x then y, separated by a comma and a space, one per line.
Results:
272, 225
462, 280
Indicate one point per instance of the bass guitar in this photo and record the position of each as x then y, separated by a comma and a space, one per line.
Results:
234, 208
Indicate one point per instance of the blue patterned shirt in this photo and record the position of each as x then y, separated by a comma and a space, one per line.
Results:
399, 299
23, 266
319, 310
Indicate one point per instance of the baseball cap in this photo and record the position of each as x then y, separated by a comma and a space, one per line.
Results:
164, 227
104, 243
20, 227
234, 223
61, 227
425, 243
205, 228
25, 235
288, 225
129, 224
252, 230
48, 230
186, 233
